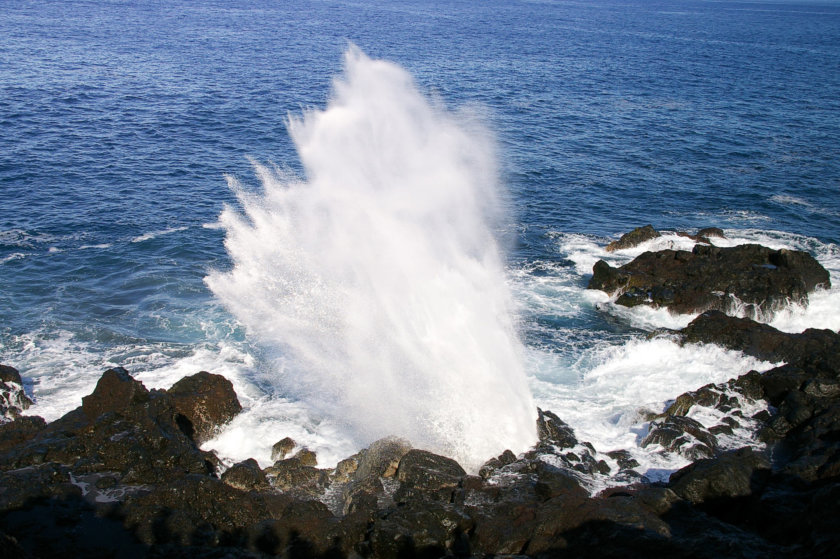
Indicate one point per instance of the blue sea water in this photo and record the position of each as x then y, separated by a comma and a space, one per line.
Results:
119, 122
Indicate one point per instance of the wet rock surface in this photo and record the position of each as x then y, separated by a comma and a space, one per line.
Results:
754, 277
13, 399
123, 475
128, 470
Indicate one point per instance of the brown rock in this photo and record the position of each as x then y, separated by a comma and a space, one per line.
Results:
116, 391
204, 402
633, 238
282, 448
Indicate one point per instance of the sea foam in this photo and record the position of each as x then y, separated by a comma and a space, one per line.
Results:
375, 284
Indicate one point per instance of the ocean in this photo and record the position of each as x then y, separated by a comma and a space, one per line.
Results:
380, 218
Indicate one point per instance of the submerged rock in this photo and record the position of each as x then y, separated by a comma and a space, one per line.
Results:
757, 278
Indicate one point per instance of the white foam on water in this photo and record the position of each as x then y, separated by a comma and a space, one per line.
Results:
13, 256
823, 310
788, 200
376, 283
59, 369
615, 382
154, 234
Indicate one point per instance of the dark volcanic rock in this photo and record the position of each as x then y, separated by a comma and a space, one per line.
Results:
682, 435
765, 342
126, 464
733, 474
422, 473
708, 232
200, 510
204, 402
710, 277
13, 399
121, 427
116, 391
295, 476
246, 475
20, 430
634, 238
552, 430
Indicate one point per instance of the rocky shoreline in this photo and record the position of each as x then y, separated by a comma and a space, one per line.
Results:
124, 475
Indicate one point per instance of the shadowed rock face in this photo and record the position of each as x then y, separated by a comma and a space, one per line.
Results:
710, 277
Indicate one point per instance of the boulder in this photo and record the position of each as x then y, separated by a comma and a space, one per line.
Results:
754, 277
246, 475
282, 448
293, 476
734, 474
425, 475
634, 238
306, 457
381, 458
204, 402
709, 232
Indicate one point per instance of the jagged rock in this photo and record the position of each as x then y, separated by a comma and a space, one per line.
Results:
502, 460
633, 238
121, 427
551, 430
282, 448
558, 520
13, 399
733, 474
427, 475
204, 402
712, 278
116, 391
362, 473
246, 475
682, 435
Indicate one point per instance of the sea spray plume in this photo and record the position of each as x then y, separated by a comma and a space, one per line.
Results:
378, 278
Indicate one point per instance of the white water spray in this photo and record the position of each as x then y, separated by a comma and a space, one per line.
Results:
377, 277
